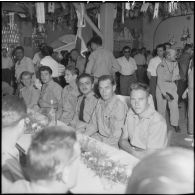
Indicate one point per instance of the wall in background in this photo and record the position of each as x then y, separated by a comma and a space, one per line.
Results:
172, 26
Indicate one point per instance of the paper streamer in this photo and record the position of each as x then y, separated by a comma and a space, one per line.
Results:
40, 11
144, 7
123, 13
156, 8
98, 16
51, 7
127, 6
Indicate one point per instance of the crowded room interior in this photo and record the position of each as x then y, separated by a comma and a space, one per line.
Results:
97, 97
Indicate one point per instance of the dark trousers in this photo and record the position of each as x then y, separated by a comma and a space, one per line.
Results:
142, 74
6, 75
182, 85
152, 84
125, 82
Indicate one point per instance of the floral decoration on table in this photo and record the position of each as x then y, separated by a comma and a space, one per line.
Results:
35, 121
101, 164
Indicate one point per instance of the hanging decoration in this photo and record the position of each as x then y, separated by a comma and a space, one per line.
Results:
144, 7
123, 14
11, 20
98, 17
51, 7
172, 6
156, 8
132, 5
40, 11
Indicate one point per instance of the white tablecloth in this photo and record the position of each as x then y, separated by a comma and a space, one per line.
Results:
87, 181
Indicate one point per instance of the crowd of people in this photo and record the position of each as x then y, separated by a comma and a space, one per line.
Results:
82, 90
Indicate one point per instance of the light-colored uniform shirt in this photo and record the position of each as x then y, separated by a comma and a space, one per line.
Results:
128, 67
50, 91
148, 132
140, 59
57, 68
80, 64
153, 64
30, 95
91, 102
166, 75
26, 64
108, 120
102, 62
6, 63
69, 101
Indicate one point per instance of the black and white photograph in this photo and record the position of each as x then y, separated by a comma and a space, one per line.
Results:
97, 97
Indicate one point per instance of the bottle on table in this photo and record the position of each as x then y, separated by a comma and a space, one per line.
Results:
52, 114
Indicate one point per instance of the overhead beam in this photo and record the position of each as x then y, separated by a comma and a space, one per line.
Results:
89, 21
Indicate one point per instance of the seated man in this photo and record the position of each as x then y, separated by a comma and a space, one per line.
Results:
145, 130
50, 91
109, 116
52, 163
13, 113
29, 92
70, 95
87, 102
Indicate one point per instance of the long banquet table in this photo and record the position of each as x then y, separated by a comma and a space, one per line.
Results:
88, 181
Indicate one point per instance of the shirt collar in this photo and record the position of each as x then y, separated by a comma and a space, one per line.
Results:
110, 103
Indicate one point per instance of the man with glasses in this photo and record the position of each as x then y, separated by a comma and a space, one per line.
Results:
128, 71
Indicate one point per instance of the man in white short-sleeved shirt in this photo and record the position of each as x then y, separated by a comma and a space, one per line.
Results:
128, 71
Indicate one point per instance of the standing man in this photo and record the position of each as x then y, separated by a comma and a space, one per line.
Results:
128, 71
109, 115
101, 61
141, 66
23, 63
145, 130
78, 61
6, 65
184, 62
151, 71
166, 90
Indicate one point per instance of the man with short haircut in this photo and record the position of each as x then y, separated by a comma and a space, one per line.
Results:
151, 71
14, 112
87, 102
109, 116
51, 163
127, 72
50, 91
101, 61
166, 90
167, 46
29, 92
145, 130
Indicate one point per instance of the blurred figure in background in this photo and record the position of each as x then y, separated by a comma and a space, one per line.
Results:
6, 66
169, 171
167, 45
127, 72
141, 66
